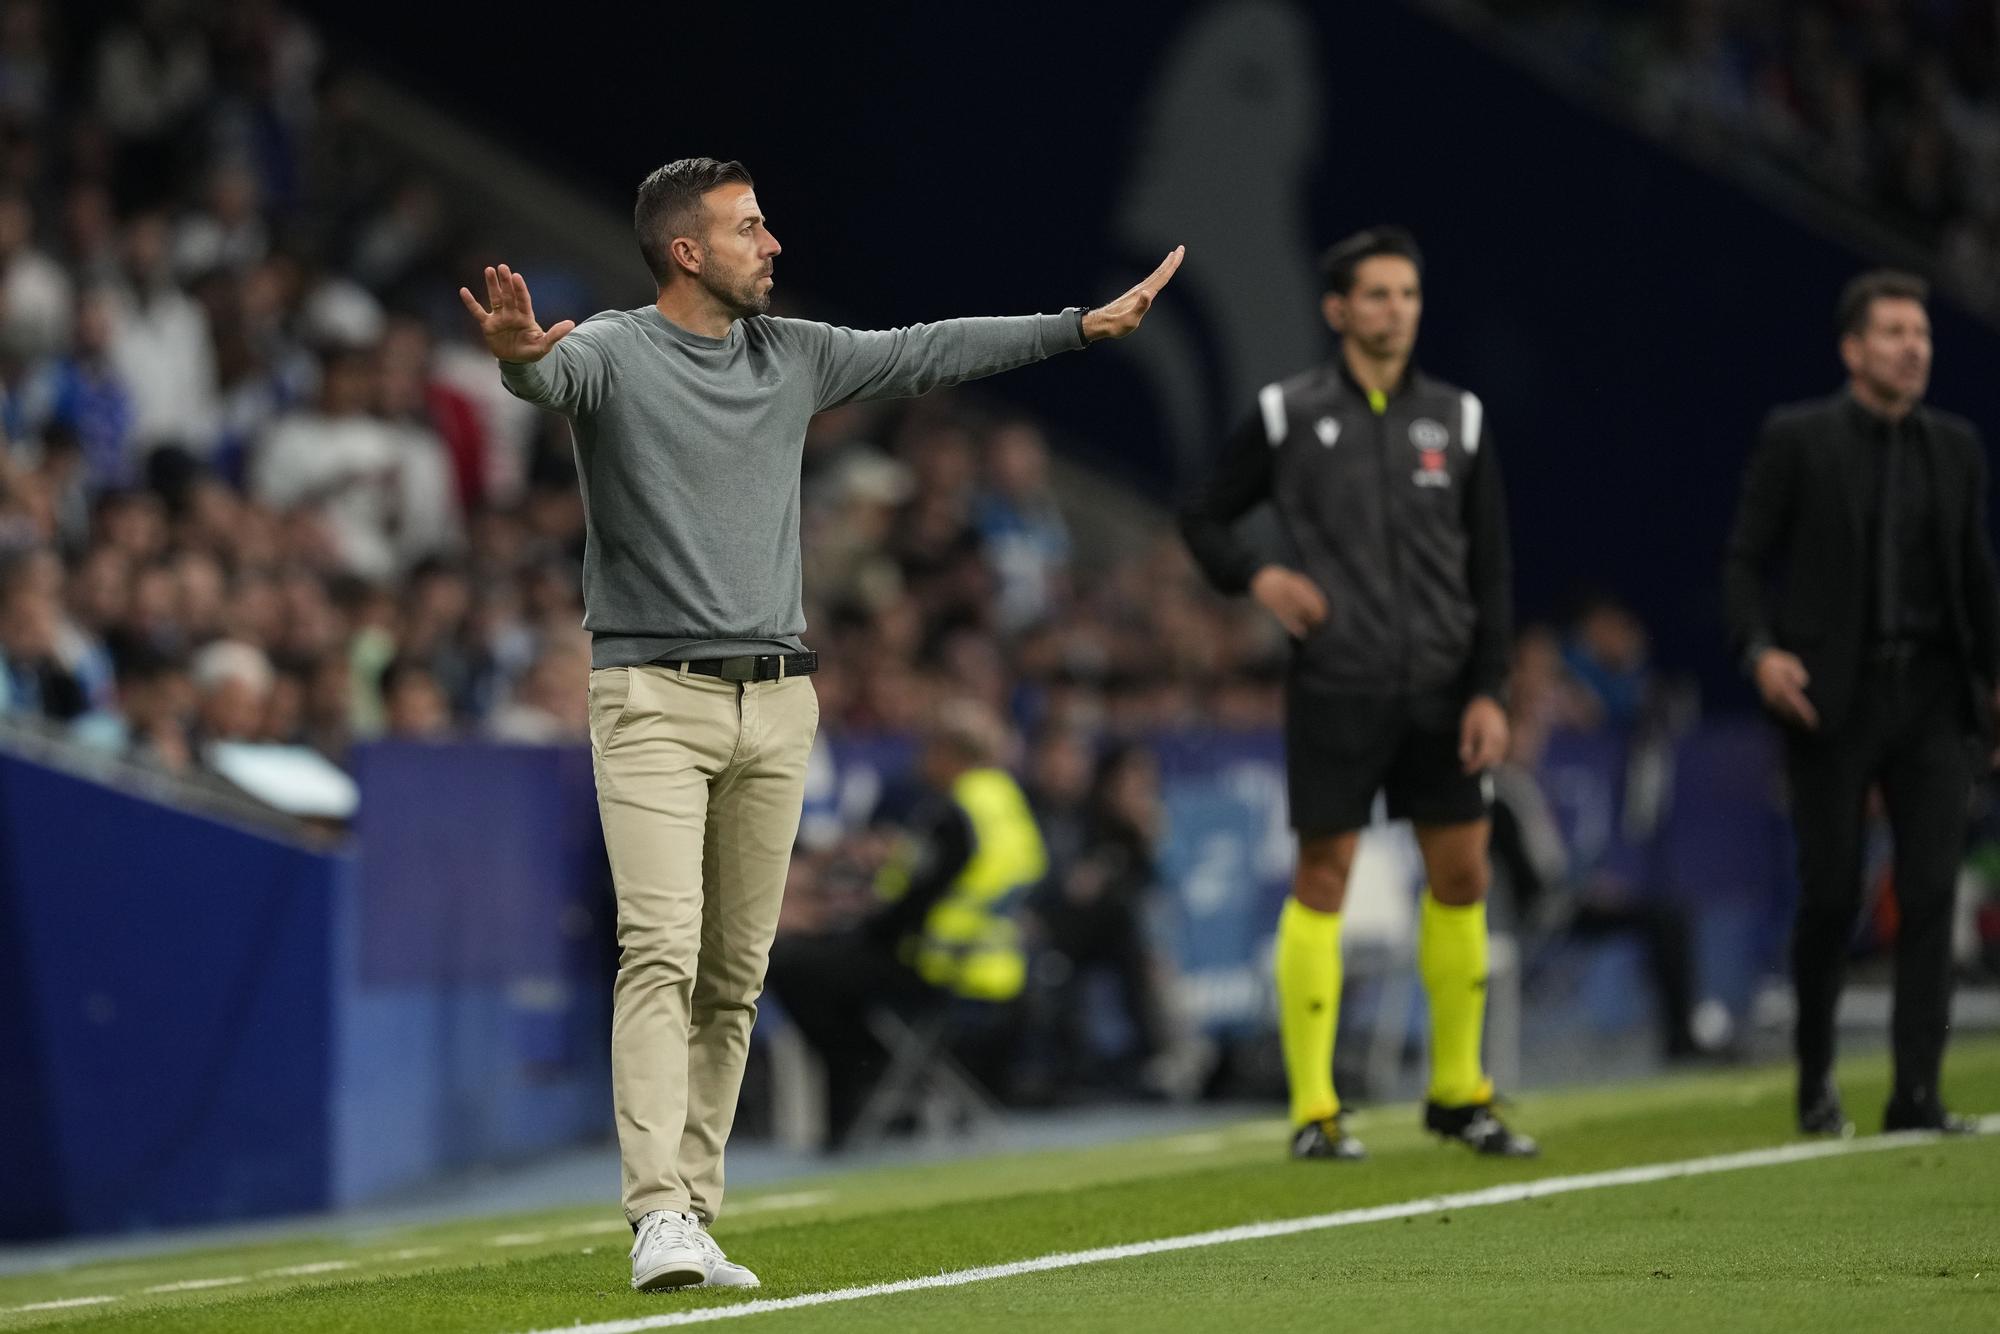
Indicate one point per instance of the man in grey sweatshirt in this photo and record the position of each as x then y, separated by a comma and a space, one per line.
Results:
690, 420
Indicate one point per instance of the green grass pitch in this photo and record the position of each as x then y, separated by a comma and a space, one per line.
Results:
1902, 1238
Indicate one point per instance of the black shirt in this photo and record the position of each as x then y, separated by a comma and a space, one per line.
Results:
1906, 590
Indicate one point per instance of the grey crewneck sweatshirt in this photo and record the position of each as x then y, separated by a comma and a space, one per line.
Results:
688, 451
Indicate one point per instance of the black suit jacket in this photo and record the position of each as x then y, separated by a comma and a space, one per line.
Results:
1798, 570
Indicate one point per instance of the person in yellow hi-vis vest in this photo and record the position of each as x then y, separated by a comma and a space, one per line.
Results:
945, 924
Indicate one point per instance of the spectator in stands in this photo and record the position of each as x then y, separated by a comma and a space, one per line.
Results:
339, 463
86, 394
549, 705
228, 232
157, 702
448, 411
426, 506
89, 234
1060, 767
27, 67
413, 703
1607, 654
233, 681
37, 679
1089, 916
152, 74
851, 533
1020, 525
36, 301
943, 929
162, 349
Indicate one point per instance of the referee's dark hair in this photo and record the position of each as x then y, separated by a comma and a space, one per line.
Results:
1858, 298
670, 205
1342, 258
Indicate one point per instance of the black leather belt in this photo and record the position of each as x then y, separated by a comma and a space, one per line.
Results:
768, 667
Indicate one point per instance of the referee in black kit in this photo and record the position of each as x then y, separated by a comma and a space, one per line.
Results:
1400, 615
1877, 648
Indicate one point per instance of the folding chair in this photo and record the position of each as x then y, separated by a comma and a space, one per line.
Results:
923, 1080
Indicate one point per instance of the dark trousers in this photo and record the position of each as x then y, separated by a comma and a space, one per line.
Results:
828, 984
1107, 933
1908, 732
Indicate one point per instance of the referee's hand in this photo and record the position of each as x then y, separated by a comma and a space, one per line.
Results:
1291, 597
1482, 735
509, 328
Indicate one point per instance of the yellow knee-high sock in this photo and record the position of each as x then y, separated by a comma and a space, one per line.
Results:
1308, 968
1451, 959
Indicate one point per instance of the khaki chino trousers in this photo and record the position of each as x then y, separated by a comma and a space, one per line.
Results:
699, 784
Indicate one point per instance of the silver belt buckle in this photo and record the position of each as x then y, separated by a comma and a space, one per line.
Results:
738, 669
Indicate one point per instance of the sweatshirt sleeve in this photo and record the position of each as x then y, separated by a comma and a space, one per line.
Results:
572, 379
1240, 479
856, 364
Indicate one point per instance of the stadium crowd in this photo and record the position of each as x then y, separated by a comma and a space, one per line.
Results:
1894, 107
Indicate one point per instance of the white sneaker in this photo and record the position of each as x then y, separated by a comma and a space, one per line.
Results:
723, 1272
667, 1254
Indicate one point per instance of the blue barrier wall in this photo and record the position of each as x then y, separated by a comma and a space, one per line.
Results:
167, 1015
477, 973
199, 1022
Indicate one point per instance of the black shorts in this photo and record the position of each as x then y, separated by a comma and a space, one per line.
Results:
1341, 749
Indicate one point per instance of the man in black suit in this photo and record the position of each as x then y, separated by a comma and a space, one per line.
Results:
1861, 591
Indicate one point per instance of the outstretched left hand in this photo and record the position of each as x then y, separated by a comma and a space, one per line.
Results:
1118, 318
1482, 735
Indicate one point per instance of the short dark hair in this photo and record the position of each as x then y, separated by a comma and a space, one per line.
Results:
1338, 265
401, 670
670, 205
1858, 298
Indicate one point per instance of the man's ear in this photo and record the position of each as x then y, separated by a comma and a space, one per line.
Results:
1333, 306
1850, 352
686, 252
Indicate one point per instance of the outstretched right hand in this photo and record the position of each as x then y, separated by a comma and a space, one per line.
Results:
1782, 680
1291, 597
509, 328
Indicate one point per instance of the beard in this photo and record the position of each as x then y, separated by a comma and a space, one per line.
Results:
742, 297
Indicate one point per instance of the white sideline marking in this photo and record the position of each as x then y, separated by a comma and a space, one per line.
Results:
1471, 1199
67, 1301
194, 1284
295, 1271
804, 1199
414, 1253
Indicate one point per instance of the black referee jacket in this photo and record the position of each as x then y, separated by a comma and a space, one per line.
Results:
1398, 516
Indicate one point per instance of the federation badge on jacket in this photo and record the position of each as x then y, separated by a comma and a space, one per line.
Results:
1431, 440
